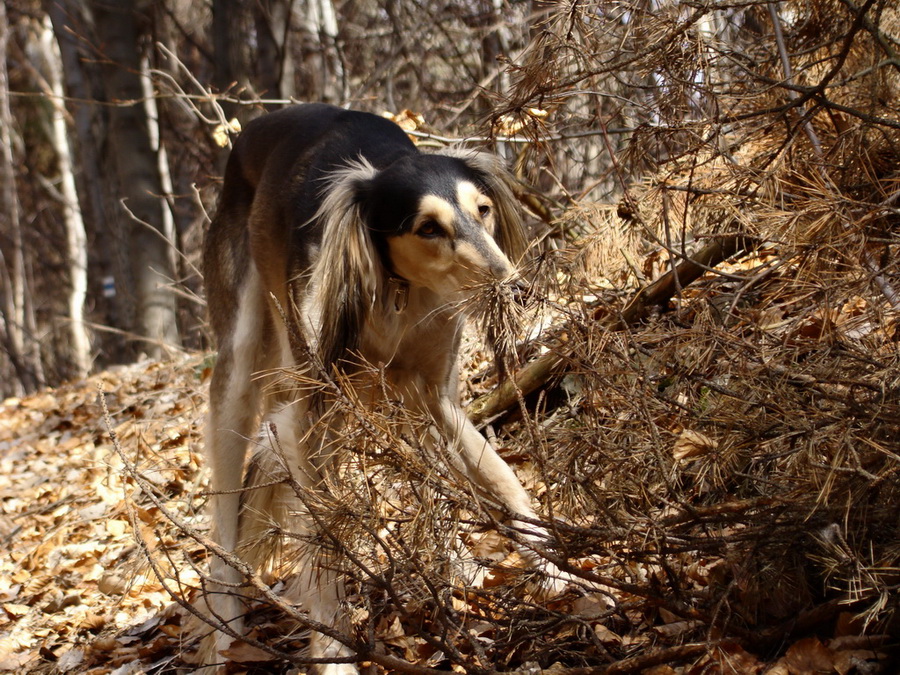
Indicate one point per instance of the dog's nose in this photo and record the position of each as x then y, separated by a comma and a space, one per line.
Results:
501, 268
522, 290
498, 264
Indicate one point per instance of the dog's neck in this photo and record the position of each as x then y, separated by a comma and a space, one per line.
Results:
411, 327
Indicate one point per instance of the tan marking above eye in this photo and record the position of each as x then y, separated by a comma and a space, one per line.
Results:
474, 202
434, 209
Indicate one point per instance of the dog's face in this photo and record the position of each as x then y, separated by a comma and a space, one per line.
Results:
433, 219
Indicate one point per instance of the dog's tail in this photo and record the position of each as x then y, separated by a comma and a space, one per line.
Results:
274, 522
277, 532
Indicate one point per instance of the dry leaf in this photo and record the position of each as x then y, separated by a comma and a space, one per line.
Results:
809, 656
406, 119
606, 636
691, 444
490, 545
241, 652
70, 660
16, 610
222, 132
735, 660
511, 124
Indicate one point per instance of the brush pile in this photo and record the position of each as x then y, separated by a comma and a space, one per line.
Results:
716, 452
722, 467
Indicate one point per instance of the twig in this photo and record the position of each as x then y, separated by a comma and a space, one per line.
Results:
229, 558
537, 373
869, 262
637, 664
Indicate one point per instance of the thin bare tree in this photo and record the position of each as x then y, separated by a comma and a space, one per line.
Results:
132, 162
76, 235
20, 353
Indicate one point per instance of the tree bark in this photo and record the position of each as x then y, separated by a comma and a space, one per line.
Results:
97, 195
13, 264
76, 237
130, 157
275, 68
230, 27
322, 76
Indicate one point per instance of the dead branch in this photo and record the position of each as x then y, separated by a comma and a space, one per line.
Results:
539, 372
639, 664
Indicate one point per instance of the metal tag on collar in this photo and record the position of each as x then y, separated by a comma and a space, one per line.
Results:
400, 291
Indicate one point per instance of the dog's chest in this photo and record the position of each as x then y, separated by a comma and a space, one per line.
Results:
410, 342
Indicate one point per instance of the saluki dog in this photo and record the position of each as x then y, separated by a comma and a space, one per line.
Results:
332, 227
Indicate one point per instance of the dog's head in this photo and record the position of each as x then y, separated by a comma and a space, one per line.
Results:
441, 222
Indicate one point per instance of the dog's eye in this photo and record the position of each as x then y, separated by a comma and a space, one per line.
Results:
484, 211
430, 229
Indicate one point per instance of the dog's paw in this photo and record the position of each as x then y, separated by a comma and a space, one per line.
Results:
555, 582
337, 669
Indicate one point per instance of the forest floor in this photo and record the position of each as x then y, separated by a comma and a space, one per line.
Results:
77, 593
92, 567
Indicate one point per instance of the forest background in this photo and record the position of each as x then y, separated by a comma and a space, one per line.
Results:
709, 408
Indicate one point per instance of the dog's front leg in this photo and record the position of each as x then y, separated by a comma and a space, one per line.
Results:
477, 459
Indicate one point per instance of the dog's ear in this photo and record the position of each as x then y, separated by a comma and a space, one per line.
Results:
499, 183
345, 271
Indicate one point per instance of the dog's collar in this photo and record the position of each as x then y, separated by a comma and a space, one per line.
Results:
399, 293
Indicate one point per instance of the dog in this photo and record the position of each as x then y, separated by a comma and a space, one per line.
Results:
337, 242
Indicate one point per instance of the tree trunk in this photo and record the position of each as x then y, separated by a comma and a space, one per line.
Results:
13, 263
230, 28
76, 237
322, 77
130, 157
274, 67
154, 132
73, 26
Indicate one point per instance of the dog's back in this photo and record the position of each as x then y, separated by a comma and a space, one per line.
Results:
273, 188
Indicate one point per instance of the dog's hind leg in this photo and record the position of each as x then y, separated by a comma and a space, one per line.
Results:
275, 505
235, 398
321, 589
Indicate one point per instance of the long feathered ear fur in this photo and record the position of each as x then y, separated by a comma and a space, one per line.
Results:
344, 274
510, 233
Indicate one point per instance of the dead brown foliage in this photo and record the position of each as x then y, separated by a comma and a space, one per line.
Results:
721, 472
